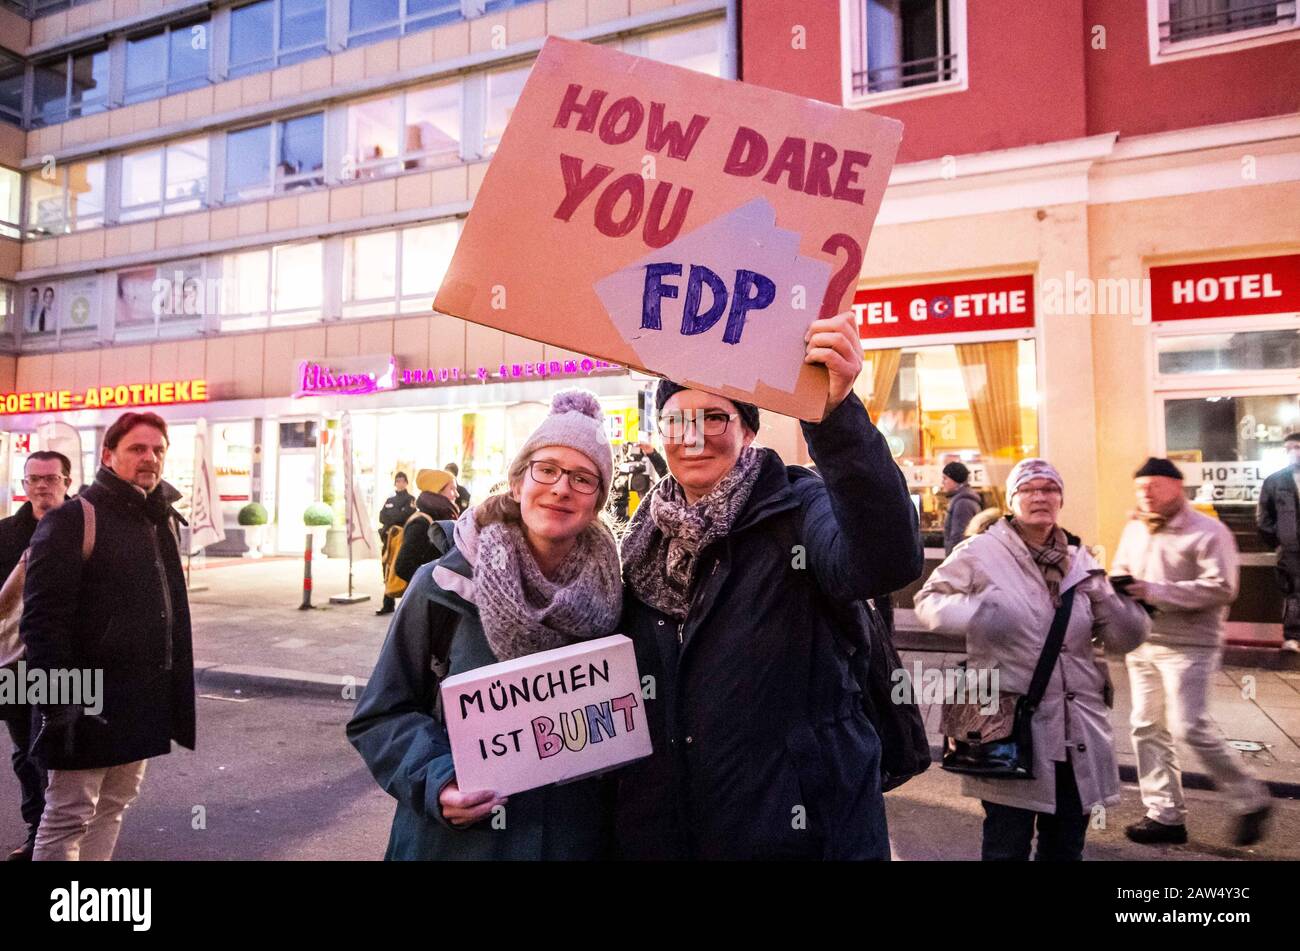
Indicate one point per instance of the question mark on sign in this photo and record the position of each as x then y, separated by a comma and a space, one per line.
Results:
845, 276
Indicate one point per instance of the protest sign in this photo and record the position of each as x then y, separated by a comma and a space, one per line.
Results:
547, 717
671, 221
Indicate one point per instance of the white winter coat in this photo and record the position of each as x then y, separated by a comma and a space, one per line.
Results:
990, 590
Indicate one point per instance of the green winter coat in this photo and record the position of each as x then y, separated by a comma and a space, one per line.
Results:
404, 742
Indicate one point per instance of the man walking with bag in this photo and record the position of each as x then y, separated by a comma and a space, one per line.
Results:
46, 477
1185, 566
106, 592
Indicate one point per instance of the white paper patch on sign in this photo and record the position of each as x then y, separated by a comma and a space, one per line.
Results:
738, 279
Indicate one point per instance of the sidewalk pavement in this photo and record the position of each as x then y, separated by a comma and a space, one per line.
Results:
248, 631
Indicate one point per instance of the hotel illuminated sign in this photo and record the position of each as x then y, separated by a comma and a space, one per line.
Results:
106, 397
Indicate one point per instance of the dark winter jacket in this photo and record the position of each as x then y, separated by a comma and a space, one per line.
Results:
15, 535
761, 747
418, 547
404, 743
124, 611
963, 505
399, 507
1275, 514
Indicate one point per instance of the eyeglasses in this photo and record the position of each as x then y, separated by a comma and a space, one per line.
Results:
43, 480
1047, 492
548, 473
673, 425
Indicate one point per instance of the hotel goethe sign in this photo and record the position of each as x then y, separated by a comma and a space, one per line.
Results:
993, 303
545, 718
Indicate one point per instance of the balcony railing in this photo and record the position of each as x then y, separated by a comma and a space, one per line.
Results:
905, 75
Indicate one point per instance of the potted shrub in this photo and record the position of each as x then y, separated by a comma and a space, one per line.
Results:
253, 517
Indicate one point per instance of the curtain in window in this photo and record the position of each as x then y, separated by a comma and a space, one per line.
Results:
884, 368
990, 375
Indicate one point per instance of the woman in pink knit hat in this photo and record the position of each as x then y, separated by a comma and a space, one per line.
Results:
527, 570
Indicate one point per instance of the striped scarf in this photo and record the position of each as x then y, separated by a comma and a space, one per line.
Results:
1052, 559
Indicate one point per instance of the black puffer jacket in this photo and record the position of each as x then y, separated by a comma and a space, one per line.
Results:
761, 748
124, 611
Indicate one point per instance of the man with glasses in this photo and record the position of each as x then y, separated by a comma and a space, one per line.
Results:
46, 477
739, 571
1184, 565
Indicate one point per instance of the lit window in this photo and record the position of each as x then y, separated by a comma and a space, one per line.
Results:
503, 89
71, 198
296, 285
412, 259
164, 181
418, 129
426, 255
370, 271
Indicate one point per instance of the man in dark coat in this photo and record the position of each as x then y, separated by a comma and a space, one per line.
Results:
399, 507
733, 566
462, 493
963, 505
1276, 518
121, 609
46, 477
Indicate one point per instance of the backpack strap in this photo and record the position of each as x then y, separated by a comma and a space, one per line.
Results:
88, 532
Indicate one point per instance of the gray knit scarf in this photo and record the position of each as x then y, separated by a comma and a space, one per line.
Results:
523, 611
661, 548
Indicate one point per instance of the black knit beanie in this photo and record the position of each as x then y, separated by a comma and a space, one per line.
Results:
1159, 467
748, 411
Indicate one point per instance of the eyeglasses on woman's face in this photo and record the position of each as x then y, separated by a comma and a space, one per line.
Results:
711, 423
548, 473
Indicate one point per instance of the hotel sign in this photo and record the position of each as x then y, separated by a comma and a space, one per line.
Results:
1241, 288
993, 303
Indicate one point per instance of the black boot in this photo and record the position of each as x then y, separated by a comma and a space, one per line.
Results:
1150, 832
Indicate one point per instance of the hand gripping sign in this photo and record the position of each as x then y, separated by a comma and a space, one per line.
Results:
674, 222
545, 718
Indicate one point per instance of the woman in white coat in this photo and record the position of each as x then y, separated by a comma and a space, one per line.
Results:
1001, 589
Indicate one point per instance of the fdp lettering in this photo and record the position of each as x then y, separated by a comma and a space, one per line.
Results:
750, 291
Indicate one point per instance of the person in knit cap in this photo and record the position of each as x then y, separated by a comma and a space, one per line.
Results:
1184, 565
963, 505
737, 569
1002, 589
528, 570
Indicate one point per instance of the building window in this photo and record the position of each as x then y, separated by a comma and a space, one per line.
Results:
1189, 20
694, 47
8, 305
388, 272
70, 86
275, 157
417, 129
11, 203
172, 60
1251, 351
897, 47
164, 181
1227, 444
70, 199
370, 21
13, 74
974, 403
56, 311
167, 300
279, 286
275, 33
503, 89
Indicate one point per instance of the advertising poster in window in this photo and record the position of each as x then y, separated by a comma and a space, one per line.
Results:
705, 222
79, 304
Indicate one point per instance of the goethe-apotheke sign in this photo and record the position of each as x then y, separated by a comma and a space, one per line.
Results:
106, 397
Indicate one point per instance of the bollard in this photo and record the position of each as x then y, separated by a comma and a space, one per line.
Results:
306, 577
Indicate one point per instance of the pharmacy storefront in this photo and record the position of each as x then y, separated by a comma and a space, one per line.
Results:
951, 375
287, 452
1225, 358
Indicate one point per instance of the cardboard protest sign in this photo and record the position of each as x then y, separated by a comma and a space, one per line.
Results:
671, 221
547, 717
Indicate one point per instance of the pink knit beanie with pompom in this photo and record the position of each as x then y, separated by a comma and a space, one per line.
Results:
576, 422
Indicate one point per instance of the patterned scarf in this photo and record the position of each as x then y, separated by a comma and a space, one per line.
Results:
523, 611
1154, 521
666, 535
1053, 559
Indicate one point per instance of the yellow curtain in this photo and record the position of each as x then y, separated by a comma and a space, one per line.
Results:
990, 375
884, 368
